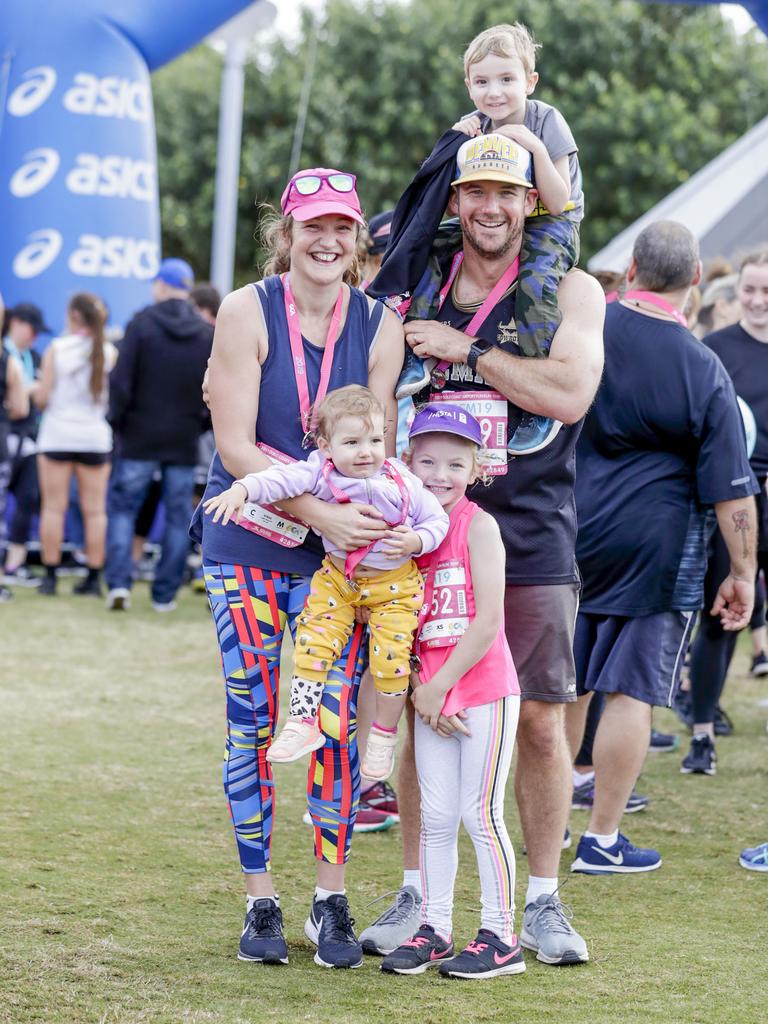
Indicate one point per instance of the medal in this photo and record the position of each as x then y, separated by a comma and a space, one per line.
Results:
438, 379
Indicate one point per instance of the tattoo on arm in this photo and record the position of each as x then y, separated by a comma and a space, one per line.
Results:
741, 525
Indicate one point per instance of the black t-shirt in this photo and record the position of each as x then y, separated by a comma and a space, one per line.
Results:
746, 360
533, 503
663, 440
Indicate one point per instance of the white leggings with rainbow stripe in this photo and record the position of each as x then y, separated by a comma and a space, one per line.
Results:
462, 779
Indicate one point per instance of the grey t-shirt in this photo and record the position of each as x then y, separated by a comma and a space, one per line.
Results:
549, 125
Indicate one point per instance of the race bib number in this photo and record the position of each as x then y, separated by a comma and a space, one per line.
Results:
270, 522
445, 616
490, 410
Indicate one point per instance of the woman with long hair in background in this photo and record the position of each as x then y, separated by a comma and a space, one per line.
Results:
75, 437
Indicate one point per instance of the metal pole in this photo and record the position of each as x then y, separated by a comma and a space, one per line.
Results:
228, 166
306, 91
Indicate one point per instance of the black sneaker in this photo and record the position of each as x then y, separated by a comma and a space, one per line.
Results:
329, 926
262, 939
47, 586
663, 742
89, 586
485, 957
701, 759
759, 664
424, 949
723, 723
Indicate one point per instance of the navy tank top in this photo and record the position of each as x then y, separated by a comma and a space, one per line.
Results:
534, 502
278, 424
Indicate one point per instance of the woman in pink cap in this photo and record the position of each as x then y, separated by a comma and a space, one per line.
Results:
280, 346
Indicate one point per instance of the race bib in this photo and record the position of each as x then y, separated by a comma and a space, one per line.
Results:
270, 522
490, 410
445, 617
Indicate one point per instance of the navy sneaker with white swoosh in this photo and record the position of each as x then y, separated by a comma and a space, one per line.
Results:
485, 957
330, 927
619, 859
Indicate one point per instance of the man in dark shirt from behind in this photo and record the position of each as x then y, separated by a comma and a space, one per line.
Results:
663, 442
157, 413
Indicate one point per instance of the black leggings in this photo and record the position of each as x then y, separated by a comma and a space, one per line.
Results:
24, 487
713, 648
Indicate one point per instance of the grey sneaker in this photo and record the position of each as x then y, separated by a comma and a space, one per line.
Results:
548, 931
396, 925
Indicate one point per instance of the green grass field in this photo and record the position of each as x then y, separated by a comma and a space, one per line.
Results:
121, 892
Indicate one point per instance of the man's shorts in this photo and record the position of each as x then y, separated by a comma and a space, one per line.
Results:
640, 657
539, 624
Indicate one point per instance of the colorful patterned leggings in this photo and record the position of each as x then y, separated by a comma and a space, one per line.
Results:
251, 608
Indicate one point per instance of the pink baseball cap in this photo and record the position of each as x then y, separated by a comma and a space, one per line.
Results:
320, 191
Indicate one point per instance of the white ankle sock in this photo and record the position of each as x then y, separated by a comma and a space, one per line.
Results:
538, 886
323, 894
250, 900
413, 878
579, 778
605, 841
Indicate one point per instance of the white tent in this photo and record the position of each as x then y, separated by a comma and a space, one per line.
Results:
725, 205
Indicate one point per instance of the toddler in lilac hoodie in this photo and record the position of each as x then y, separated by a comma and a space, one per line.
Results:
350, 465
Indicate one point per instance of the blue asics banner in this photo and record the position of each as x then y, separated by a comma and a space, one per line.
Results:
78, 168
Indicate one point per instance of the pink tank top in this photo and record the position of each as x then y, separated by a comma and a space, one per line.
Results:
449, 607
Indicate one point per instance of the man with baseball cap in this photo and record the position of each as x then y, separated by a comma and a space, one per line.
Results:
473, 337
157, 413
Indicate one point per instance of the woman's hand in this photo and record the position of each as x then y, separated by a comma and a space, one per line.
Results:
350, 526
227, 505
401, 542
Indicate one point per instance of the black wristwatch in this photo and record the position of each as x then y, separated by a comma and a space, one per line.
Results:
478, 348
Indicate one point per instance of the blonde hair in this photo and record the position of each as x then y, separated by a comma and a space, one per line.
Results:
503, 41
479, 455
276, 235
756, 258
352, 400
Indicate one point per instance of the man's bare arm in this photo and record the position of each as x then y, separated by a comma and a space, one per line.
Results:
735, 597
562, 386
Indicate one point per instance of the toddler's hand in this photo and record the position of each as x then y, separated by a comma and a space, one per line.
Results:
469, 126
521, 135
227, 505
401, 541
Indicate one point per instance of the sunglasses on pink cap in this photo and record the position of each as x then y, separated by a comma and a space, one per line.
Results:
310, 184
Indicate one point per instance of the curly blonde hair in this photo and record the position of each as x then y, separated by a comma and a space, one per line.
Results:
276, 235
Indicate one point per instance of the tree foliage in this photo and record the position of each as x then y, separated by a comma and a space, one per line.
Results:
652, 93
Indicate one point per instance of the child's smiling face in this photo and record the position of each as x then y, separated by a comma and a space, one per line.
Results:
499, 86
445, 464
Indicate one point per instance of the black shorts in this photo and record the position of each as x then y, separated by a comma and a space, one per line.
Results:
83, 458
539, 622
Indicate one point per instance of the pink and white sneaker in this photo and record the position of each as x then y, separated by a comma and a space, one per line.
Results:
379, 759
298, 737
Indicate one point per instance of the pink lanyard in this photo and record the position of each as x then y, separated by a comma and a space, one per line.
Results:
653, 300
355, 557
477, 321
297, 352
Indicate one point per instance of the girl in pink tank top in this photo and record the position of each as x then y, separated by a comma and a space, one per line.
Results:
467, 701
